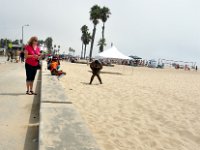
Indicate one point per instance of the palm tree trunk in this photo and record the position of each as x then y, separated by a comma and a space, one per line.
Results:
92, 42
85, 50
103, 32
82, 51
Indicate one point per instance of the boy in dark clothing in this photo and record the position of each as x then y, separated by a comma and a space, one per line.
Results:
22, 56
96, 67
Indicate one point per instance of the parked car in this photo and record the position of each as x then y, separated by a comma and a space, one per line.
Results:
152, 63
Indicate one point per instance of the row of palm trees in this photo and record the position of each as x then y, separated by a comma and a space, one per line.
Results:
48, 42
85, 38
52, 49
96, 13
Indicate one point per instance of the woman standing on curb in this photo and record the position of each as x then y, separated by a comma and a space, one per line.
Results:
32, 55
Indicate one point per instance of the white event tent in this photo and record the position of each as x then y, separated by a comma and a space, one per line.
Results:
113, 53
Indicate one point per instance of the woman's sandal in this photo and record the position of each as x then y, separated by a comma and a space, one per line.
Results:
27, 92
32, 93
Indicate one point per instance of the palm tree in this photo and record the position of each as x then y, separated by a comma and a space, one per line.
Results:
54, 50
48, 43
2, 43
101, 44
58, 49
86, 38
86, 41
41, 42
94, 17
15, 42
82, 48
84, 30
105, 14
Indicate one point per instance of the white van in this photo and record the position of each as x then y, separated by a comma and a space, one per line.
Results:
152, 63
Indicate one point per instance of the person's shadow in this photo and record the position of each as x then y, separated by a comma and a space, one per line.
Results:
86, 83
13, 94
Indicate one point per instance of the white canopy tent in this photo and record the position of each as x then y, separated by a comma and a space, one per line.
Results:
113, 53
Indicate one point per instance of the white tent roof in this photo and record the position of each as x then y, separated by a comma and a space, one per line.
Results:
113, 53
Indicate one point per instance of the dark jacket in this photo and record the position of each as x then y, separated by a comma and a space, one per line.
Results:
96, 66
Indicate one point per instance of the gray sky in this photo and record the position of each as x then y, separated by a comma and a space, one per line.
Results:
148, 28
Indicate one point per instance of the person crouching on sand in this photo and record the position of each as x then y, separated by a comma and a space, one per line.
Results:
55, 65
96, 67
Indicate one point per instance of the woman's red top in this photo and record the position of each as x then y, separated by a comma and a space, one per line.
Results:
31, 51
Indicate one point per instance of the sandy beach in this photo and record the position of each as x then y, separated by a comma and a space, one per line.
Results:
138, 108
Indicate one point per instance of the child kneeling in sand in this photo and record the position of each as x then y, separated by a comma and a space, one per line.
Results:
54, 69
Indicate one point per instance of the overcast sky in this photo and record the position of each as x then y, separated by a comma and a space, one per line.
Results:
148, 28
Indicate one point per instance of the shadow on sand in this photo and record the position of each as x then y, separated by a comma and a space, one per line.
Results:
108, 72
86, 83
31, 141
13, 94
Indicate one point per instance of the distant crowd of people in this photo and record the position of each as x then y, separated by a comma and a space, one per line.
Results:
185, 67
19, 57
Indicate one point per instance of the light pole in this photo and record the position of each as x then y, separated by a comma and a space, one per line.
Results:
54, 50
58, 49
26, 25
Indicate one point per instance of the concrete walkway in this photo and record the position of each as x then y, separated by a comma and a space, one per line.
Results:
61, 125
19, 113
3, 59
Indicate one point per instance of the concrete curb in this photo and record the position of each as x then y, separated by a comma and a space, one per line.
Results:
61, 126
3, 61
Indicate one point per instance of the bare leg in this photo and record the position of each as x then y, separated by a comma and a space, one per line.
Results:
92, 78
27, 85
31, 86
99, 78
